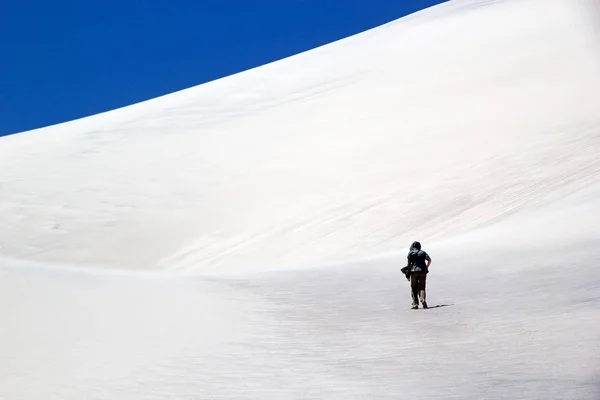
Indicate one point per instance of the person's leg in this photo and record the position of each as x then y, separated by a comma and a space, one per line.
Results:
421, 288
414, 289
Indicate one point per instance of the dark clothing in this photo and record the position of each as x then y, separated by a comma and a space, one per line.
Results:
417, 260
416, 271
417, 287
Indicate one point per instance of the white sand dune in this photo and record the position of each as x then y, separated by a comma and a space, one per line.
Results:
242, 239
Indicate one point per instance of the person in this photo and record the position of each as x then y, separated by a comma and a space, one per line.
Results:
416, 272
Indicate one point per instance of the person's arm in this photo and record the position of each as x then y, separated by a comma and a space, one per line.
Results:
428, 260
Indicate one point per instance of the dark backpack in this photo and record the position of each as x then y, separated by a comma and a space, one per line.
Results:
416, 258
411, 262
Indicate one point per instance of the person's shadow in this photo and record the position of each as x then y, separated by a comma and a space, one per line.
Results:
440, 305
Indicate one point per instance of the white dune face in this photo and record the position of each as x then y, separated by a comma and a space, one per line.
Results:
473, 126
429, 125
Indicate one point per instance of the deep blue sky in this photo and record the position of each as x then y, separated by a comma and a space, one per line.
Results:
65, 59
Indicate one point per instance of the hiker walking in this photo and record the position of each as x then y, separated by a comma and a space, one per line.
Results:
416, 272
